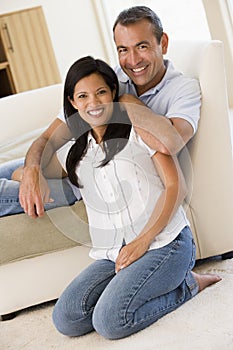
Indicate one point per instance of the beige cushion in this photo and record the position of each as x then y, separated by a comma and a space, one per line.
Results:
61, 228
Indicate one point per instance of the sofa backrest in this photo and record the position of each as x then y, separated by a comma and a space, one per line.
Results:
24, 112
211, 204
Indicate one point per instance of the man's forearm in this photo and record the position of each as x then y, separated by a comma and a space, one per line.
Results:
157, 131
37, 153
34, 190
45, 146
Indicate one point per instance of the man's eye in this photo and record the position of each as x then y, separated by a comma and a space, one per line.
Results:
121, 51
142, 47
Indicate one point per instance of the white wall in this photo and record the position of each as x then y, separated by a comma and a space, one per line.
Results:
72, 26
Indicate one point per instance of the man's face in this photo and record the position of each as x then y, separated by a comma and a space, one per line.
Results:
140, 55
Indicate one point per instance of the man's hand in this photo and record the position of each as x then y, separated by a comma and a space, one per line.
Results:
34, 192
17, 174
129, 98
131, 252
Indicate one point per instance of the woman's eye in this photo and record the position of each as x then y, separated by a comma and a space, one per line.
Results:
82, 96
102, 92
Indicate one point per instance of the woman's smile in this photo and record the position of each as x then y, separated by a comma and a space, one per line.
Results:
96, 113
93, 99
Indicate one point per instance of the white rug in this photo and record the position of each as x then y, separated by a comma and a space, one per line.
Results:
204, 323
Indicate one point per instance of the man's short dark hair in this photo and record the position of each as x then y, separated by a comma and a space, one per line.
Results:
137, 13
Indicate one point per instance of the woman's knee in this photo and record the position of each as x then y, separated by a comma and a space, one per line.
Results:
70, 324
61, 320
110, 322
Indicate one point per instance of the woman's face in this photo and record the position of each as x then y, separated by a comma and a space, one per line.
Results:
93, 99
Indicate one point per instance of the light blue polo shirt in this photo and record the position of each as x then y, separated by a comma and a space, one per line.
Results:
176, 96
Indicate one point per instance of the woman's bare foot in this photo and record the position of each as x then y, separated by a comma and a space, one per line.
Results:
205, 280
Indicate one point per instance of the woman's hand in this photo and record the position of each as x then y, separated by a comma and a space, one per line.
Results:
130, 253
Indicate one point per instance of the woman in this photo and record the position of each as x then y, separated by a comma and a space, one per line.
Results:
142, 244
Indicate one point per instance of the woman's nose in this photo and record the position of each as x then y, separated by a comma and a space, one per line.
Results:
93, 99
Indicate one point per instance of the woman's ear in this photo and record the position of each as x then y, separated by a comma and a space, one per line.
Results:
73, 103
113, 94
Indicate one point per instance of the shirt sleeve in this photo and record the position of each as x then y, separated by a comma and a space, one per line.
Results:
61, 115
134, 136
186, 103
62, 153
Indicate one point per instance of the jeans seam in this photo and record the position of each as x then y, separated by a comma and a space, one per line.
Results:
6, 201
88, 292
128, 302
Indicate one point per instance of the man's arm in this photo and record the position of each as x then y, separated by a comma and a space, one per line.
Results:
34, 190
53, 170
167, 136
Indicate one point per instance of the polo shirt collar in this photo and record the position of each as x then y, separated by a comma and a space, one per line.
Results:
169, 74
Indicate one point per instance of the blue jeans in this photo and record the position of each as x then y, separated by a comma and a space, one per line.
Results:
60, 189
118, 305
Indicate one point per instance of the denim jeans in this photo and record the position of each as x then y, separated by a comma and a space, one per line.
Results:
118, 305
60, 189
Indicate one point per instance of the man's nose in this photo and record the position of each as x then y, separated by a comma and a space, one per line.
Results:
133, 58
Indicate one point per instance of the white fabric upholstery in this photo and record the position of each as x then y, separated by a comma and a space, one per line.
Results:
29, 110
211, 207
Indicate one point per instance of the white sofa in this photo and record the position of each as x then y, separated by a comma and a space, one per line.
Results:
38, 258
210, 209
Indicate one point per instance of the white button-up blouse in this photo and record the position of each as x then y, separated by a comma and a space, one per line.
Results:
121, 196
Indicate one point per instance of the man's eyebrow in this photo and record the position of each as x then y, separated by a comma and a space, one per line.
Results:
136, 45
121, 47
142, 42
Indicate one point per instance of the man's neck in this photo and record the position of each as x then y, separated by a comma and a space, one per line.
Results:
144, 88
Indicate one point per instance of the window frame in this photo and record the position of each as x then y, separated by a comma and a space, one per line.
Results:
219, 14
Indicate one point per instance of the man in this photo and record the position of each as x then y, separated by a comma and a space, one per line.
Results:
162, 104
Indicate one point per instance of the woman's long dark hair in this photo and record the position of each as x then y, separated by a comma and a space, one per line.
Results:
118, 129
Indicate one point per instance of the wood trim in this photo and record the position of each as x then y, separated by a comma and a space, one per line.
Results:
4, 65
28, 49
105, 33
19, 11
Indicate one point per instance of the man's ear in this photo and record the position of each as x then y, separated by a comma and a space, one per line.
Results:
164, 43
73, 103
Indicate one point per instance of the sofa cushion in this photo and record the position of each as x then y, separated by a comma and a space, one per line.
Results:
17, 147
59, 229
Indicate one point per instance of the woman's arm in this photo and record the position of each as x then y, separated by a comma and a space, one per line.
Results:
166, 206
